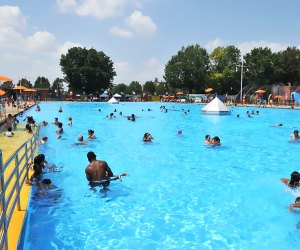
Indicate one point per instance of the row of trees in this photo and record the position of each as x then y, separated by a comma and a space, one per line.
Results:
192, 69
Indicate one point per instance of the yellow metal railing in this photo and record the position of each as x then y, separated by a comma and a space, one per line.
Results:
13, 174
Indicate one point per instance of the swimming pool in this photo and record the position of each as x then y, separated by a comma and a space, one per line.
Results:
180, 193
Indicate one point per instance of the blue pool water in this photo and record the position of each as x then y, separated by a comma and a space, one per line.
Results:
180, 193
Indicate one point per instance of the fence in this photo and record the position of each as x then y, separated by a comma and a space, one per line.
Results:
13, 174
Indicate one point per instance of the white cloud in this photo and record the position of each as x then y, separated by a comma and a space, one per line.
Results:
246, 47
141, 24
135, 25
63, 49
142, 72
41, 42
214, 44
10, 38
11, 16
121, 32
96, 8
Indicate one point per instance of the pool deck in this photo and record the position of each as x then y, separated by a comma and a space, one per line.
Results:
8, 146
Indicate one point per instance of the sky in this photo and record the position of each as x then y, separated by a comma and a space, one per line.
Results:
139, 36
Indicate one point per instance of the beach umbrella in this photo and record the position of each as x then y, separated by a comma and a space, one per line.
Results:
20, 87
179, 93
117, 95
30, 90
5, 79
278, 96
2, 92
208, 90
260, 91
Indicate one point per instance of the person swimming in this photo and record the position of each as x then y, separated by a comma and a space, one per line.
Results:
147, 137
295, 205
294, 181
295, 135
207, 139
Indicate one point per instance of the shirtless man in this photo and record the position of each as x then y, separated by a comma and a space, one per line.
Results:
98, 173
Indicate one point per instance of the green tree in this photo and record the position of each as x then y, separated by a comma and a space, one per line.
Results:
42, 82
260, 63
121, 88
288, 66
7, 85
24, 82
57, 87
161, 89
135, 87
188, 69
87, 70
223, 75
149, 87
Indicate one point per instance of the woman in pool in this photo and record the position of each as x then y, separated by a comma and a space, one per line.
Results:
207, 139
295, 135
216, 141
91, 135
294, 181
147, 137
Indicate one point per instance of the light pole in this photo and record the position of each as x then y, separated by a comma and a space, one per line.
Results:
242, 74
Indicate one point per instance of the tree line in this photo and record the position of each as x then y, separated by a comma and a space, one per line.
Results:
192, 70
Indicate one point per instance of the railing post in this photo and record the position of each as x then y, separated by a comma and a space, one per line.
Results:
4, 224
18, 180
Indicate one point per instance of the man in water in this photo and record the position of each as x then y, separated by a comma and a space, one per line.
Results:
98, 173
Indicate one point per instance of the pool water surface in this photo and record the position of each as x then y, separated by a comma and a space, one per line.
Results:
181, 194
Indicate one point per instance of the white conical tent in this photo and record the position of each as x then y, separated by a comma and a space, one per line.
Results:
113, 100
216, 107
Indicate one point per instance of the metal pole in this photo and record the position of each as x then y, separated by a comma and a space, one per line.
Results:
242, 68
4, 225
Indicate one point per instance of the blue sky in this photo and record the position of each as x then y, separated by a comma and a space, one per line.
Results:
139, 36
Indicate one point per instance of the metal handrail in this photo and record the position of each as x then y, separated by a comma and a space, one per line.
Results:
11, 183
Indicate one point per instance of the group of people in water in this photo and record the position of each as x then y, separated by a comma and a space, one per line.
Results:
215, 141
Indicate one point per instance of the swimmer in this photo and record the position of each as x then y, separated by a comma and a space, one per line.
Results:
295, 135
59, 130
80, 139
98, 173
44, 140
147, 137
207, 139
179, 132
60, 109
294, 181
277, 125
55, 121
216, 141
91, 135
295, 205
44, 123
70, 122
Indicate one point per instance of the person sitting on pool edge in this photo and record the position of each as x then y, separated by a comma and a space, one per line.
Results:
295, 205
147, 137
295, 135
294, 181
9, 132
98, 173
